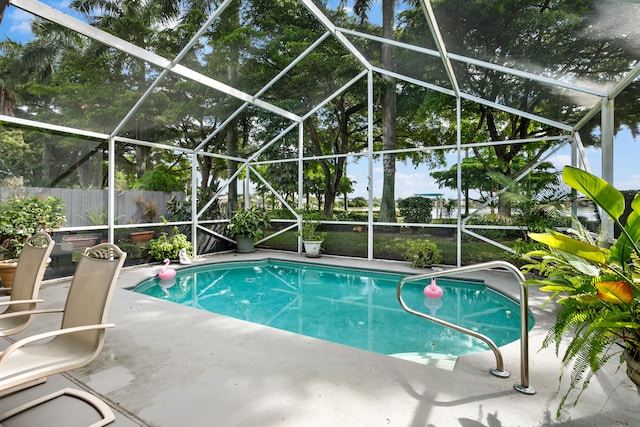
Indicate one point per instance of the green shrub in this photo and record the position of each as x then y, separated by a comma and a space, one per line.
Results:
160, 180
358, 202
133, 250
248, 222
539, 217
416, 209
421, 253
24, 217
315, 215
282, 214
355, 216
169, 247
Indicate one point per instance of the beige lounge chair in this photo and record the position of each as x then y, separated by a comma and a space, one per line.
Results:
26, 284
79, 339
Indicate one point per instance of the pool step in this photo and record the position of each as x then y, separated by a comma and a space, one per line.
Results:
442, 361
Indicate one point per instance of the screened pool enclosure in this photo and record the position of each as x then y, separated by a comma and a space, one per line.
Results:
153, 116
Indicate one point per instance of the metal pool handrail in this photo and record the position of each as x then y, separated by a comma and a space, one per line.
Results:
498, 371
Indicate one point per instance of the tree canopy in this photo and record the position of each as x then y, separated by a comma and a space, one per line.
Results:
64, 78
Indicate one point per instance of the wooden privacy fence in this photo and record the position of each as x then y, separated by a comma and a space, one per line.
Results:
89, 207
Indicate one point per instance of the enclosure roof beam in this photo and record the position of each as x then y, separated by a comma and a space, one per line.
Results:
590, 115
315, 11
435, 31
222, 156
335, 94
177, 59
46, 12
266, 87
414, 81
478, 63
516, 112
52, 127
561, 138
152, 144
622, 85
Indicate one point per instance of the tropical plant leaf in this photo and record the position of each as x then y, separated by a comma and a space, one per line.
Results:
581, 264
551, 281
615, 292
572, 246
596, 189
539, 253
621, 251
556, 288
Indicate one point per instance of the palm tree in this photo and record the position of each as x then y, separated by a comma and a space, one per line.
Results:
389, 111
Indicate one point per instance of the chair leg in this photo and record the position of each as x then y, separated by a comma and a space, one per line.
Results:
24, 386
103, 409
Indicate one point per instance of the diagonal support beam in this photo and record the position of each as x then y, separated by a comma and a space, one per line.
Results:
46, 12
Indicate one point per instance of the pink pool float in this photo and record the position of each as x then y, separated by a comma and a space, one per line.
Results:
166, 273
433, 290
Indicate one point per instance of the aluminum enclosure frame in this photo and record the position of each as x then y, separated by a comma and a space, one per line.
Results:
167, 65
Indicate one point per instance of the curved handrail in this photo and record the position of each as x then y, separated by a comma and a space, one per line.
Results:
498, 371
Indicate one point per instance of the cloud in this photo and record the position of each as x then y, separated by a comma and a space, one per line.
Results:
631, 182
408, 184
19, 23
560, 160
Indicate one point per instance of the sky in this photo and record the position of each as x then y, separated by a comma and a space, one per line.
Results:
409, 180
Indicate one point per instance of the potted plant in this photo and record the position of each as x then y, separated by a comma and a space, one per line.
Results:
141, 236
245, 226
20, 218
311, 238
596, 286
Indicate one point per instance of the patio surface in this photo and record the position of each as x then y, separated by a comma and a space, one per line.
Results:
167, 365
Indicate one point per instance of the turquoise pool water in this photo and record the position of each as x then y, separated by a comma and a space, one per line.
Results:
357, 308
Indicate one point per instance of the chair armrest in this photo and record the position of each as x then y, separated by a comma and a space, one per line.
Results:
31, 312
20, 301
51, 334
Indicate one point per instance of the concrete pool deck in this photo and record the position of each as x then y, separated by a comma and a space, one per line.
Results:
167, 365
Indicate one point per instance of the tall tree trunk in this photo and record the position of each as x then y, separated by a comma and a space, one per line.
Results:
204, 165
6, 106
332, 185
46, 156
142, 152
388, 203
232, 165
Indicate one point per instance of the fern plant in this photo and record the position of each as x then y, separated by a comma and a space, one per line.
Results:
595, 286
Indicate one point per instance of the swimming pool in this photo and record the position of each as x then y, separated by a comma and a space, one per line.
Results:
354, 307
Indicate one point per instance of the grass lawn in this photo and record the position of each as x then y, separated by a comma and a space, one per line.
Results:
391, 246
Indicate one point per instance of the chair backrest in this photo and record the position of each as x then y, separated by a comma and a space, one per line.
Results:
32, 264
90, 292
